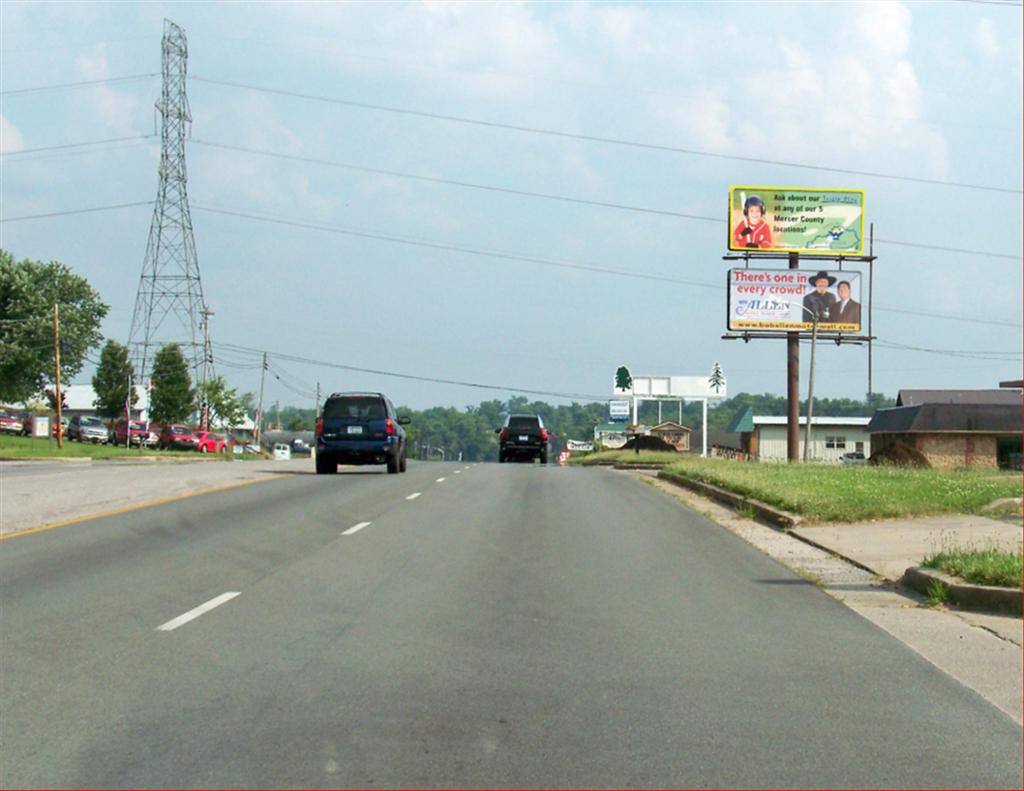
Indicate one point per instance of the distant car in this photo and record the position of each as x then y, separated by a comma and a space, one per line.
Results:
84, 428
300, 448
208, 442
177, 437
853, 458
11, 422
523, 437
140, 435
282, 451
360, 428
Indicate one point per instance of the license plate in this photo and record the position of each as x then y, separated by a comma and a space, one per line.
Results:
355, 429
524, 438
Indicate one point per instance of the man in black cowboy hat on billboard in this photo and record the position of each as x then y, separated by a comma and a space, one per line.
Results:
821, 301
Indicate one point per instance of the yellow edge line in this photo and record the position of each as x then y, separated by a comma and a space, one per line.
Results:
138, 506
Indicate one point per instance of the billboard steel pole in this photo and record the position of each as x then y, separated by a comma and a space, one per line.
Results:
793, 384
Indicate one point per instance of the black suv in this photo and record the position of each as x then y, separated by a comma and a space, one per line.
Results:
523, 437
359, 428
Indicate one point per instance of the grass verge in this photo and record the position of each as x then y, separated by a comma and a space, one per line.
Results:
840, 493
980, 566
624, 457
40, 448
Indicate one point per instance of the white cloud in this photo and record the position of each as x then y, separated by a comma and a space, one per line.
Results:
116, 110
985, 38
884, 25
11, 139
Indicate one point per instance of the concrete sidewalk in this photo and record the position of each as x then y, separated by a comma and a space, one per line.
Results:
890, 547
34, 494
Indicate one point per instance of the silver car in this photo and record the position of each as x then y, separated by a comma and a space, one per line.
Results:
88, 429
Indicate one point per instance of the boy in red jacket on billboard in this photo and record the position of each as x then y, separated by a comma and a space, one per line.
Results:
753, 231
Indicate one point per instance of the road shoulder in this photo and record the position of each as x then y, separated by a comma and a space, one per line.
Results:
982, 652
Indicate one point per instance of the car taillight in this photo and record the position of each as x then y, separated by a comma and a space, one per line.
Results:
503, 435
319, 426
543, 435
389, 426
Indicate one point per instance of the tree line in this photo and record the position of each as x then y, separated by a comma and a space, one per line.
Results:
471, 431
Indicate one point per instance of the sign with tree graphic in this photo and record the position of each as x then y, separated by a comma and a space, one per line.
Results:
623, 380
717, 379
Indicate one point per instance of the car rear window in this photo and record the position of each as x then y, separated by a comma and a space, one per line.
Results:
91, 421
518, 423
355, 407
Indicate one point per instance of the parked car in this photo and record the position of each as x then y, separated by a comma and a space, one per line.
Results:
11, 422
178, 437
140, 435
360, 428
300, 448
209, 442
854, 457
523, 437
85, 428
64, 422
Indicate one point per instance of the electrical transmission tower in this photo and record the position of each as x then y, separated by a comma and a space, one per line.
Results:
169, 304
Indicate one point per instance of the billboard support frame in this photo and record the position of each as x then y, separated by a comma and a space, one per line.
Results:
793, 337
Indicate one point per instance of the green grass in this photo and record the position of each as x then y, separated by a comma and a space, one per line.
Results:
938, 594
840, 493
980, 566
39, 448
624, 457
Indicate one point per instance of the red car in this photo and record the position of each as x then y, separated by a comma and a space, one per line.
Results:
180, 437
11, 422
139, 434
211, 443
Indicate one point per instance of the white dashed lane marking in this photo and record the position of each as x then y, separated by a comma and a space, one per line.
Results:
414, 495
356, 528
440, 480
183, 619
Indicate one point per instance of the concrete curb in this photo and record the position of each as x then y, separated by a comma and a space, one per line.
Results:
640, 466
61, 459
986, 598
766, 512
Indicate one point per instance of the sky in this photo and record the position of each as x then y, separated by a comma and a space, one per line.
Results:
346, 260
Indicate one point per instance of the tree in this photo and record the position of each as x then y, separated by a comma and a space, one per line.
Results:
225, 405
111, 381
717, 379
28, 292
623, 379
172, 399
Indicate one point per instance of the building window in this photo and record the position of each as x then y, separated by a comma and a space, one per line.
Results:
835, 442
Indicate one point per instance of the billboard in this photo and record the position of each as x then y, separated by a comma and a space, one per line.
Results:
675, 388
787, 299
796, 220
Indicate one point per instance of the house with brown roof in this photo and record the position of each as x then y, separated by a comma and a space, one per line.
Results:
674, 434
954, 428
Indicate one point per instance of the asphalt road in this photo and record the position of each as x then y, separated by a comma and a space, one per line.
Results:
510, 626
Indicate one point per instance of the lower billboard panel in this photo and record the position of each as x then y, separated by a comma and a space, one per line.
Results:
790, 299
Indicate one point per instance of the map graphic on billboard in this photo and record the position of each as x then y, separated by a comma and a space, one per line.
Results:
796, 220
789, 299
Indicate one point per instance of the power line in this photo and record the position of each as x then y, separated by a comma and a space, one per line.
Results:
530, 259
413, 377
82, 84
76, 211
597, 138
546, 195
76, 145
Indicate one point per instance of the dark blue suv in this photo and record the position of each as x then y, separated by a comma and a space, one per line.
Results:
359, 428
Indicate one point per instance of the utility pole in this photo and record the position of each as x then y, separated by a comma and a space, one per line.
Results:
259, 408
810, 387
128, 417
56, 362
204, 417
316, 406
793, 384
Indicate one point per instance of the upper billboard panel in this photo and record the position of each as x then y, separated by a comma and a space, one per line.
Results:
789, 220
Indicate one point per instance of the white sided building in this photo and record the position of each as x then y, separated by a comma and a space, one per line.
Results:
831, 437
